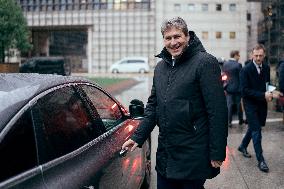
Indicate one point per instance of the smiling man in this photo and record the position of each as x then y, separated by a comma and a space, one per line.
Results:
188, 104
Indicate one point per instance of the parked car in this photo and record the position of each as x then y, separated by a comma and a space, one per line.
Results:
46, 65
131, 65
67, 132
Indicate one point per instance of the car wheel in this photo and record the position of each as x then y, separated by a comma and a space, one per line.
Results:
147, 163
115, 71
67, 68
142, 71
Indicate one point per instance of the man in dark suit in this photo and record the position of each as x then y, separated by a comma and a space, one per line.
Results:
254, 78
232, 69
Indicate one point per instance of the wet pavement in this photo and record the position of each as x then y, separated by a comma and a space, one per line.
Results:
237, 172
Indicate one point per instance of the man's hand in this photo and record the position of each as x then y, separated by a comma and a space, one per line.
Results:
129, 143
216, 164
276, 94
268, 96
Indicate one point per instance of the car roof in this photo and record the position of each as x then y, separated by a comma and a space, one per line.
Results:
135, 58
19, 88
48, 57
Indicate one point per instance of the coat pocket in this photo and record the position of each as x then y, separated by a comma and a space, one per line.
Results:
179, 115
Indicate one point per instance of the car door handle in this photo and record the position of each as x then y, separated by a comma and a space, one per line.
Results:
123, 152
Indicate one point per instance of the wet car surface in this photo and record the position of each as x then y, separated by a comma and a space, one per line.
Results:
66, 132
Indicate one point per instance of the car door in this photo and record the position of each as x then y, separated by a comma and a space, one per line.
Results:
120, 172
123, 66
134, 65
66, 138
18, 160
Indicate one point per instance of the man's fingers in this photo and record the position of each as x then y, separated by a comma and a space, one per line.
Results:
216, 164
127, 143
134, 146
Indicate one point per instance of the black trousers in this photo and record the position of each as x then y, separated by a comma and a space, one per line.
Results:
165, 183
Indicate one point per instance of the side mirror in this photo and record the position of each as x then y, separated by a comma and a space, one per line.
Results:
136, 108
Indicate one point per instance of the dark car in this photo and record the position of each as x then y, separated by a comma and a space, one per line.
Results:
67, 132
46, 65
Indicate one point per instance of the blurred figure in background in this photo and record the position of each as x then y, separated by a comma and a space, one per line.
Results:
232, 69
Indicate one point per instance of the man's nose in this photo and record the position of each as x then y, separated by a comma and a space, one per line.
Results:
173, 41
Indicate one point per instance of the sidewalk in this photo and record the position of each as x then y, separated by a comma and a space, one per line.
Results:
238, 172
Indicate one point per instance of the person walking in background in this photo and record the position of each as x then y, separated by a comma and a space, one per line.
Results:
192, 124
254, 78
232, 69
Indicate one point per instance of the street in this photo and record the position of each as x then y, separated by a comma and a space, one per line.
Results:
237, 172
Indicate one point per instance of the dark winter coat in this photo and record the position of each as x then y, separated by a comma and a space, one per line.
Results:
188, 104
232, 68
253, 88
281, 76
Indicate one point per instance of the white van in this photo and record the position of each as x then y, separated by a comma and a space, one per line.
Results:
130, 65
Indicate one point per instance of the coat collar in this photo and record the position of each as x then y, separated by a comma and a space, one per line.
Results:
193, 48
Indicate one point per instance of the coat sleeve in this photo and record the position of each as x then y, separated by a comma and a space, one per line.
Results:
246, 90
216, 107
148, 123
281, 77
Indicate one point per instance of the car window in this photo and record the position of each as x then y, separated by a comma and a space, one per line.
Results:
136, 62
107, 108
18, 149
123, 62
67, 124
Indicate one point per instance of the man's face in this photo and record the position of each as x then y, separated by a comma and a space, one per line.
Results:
258, 56
175, 41
237, 57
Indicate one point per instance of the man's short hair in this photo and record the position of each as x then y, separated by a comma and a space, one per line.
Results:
258, 47
234, 53
176, 22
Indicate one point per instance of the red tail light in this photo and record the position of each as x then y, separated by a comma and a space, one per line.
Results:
129, 128
224, 77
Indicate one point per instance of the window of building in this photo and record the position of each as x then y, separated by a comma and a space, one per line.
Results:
249, 30
204, 35
232, 35
191, 7
218, 7
218, 35
232, 7
62, 7
248, 16
204, 7
177, 7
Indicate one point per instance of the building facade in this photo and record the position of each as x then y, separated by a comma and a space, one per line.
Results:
254, 16
271, 29
93, 34
220, 25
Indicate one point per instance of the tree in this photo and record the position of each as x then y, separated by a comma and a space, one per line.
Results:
14, 32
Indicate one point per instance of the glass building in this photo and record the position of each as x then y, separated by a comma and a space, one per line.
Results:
91, 34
